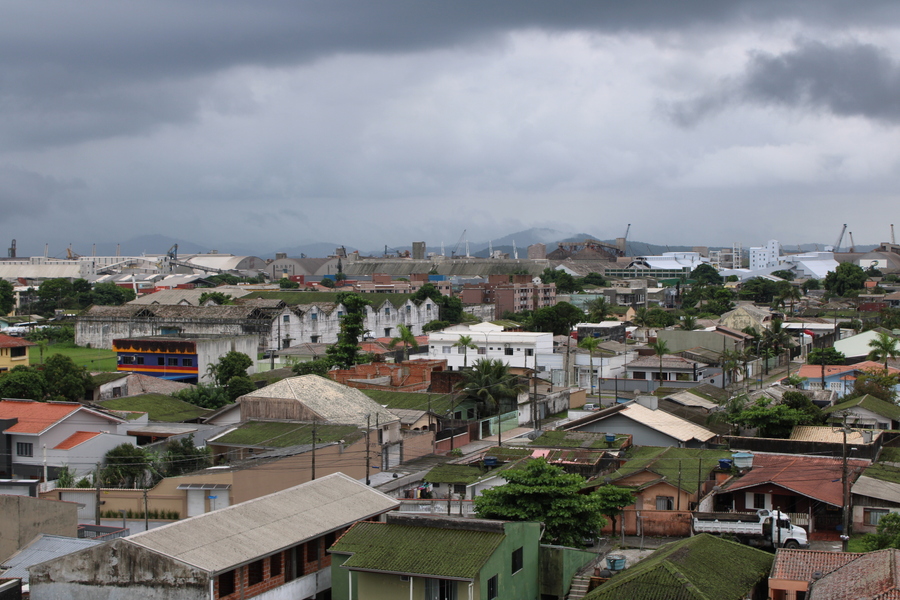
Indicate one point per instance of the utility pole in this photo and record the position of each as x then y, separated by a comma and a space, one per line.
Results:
679, 487
97, 501
368, 425
845, 508
314, 451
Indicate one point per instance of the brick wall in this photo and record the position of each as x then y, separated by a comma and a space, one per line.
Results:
288, 565
411, 375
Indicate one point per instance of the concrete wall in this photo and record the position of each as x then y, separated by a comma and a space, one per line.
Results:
558, 564
680, 340
209, 351
24, 517
117, 570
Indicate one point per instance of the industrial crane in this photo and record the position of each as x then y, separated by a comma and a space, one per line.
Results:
837, 244
852, 245
456, 248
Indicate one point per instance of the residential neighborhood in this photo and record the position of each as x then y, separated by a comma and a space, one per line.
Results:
401, 425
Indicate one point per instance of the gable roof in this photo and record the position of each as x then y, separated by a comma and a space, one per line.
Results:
332, 401
870, 403
659, 420
801, 565
8, 341
678, 466
79, 437
683, 571
812, 476
410, 550
37, 417
42, 548
874, 575
219, 540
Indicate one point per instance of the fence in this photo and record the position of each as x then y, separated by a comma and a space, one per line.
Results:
463, 508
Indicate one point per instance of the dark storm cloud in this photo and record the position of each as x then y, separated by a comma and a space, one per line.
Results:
849, 80
26, 193
90, 69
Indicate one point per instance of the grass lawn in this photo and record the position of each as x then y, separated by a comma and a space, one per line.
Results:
95, 359
855, 544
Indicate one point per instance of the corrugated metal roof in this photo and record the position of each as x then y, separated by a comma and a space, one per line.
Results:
43, 548
333, 401
812, 433
218, 541
876, 488
686, 398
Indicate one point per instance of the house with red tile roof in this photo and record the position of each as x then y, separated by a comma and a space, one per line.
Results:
818, 575
13, 352
839, 378
55, 434
792, 483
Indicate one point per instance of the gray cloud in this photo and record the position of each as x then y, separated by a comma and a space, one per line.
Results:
25, 193
849, 80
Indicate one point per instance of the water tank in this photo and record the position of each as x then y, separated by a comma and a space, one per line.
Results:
490, 461
610, 438
743, 460
725, 464
615, 562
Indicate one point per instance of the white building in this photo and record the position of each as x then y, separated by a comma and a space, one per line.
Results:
762, 257
515, 348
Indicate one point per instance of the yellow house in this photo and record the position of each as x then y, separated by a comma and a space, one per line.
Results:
13, 352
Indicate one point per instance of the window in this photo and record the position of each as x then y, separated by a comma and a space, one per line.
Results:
340, 314
759, 500
127, 360
387, 311
529, 351
872, 516
440, 589
255, 571
387, 332
508, 352
187, 362
161, 360
461, 349
446, 349
18, 352
312, 551
286, 318
482, 350
459, 488
313, 316
24, 449
226, 584
408, 309
173, 361
493, 588
427, 308
518, 560
275, 565
313, 339
665, 503
138, 360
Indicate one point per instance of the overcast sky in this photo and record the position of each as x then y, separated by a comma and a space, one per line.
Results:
382, 122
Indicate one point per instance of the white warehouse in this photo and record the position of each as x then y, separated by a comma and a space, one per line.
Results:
515, 348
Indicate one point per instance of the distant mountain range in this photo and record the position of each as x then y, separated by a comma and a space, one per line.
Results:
159, 244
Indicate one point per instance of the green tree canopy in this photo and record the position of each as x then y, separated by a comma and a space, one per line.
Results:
345, 352
706, 274
784, 274
613, 500
771, 421
65, 380
286, 284
233, 364
219, 298
183, 456
126, 467
884, 347
846, 278
465, 343
887, 534
545, 493
7, 297
558, 319
23, 383
406, 337
491, 385
204, 396
110, 294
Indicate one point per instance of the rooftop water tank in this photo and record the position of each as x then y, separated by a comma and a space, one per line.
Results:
743, 460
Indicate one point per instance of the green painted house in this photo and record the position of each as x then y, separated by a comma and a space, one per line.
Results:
437, 558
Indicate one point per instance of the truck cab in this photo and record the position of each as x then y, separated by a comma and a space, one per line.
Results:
781, 532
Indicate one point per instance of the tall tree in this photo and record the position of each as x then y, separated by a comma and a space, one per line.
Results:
613, 500
465, 342
706, 274
883, 347
345, 352
661, 348
405, 337
65, 380
590, 344
845, 278
233, 364
547, 494
689, 322
7, 297
23, 383
558, 319
490, 383
597, 309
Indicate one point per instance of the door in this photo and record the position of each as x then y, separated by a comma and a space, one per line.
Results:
87, 499
196, 502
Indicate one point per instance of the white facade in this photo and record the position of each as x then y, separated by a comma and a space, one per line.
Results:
515, 348
812, 265
765, 256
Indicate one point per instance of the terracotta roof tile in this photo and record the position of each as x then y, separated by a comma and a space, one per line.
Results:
8, 341
35, 417
801, 565
76, 438
872, 575
812, 476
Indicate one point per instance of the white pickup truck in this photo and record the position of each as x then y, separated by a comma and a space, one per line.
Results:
764, 528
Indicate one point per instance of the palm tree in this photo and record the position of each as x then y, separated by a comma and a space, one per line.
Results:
597, 309
490, 383
406, 338
466, 343
733, 365
590, 344
689, 323
883, 347
661, 348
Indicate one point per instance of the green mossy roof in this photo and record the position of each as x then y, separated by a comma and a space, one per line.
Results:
666, 462
158, 407
462, 474
577, 439
871, 403
266, 434
273, 375
296, 298
413, 550
884, 471
101, 378
702, 567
